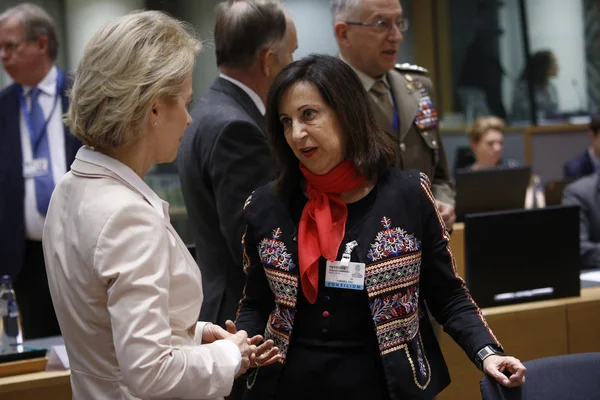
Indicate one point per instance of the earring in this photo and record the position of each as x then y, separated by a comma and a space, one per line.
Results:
154, 123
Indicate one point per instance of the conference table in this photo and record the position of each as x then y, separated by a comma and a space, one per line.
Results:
527, 331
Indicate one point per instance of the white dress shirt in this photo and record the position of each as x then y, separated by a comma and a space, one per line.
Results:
34, 221
255, 97
126, 290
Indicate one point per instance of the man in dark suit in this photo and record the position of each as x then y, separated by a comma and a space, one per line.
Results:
585, 193
369, 33
587, 162
225, 153
37, 150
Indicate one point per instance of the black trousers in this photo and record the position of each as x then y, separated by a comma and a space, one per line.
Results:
38, 318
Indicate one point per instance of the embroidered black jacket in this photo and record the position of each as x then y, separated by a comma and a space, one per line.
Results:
409, 269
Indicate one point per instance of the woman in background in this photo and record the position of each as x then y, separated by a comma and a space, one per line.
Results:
127, 292
541, 68
486, 139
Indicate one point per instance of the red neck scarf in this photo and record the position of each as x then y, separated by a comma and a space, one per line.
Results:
323, 221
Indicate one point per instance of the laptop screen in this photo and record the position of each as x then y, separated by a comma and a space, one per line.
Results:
522, 255
493, 189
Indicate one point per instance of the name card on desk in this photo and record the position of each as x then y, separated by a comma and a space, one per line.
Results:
58, 359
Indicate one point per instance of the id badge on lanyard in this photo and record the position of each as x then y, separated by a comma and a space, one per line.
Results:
345, 274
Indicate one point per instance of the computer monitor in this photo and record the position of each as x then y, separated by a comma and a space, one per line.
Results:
522, 255
493, 189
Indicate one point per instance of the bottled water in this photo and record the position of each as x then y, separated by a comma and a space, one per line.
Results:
10, 320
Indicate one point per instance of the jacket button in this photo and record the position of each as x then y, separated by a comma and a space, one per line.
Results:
325, 314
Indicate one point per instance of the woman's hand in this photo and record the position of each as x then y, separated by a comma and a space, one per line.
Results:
265, 353
212, 333
246, 350
495, 366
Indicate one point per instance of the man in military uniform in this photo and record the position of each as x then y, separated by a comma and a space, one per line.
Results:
369, 33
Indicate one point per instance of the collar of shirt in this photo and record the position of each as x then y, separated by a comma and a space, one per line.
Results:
595, 160
46, 85
255, 98
89, 155
366, 80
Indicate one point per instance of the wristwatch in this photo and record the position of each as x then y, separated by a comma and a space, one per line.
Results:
484, 353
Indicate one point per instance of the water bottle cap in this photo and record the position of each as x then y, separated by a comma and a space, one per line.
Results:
5, 279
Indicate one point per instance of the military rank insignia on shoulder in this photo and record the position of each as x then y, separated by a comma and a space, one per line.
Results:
411, 68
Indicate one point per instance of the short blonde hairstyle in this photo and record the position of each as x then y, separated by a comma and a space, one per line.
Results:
126, 66
484, 124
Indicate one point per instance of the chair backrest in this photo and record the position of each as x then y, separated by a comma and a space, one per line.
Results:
571, 376
463, 158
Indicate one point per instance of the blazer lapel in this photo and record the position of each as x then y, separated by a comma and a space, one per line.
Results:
235, 92
12, 116
407, 102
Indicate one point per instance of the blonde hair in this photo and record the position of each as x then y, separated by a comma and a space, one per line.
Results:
126, 66
484, 124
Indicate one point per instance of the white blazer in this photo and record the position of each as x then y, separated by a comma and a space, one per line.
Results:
126, 290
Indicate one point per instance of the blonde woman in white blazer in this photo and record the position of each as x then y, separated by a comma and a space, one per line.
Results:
126, 291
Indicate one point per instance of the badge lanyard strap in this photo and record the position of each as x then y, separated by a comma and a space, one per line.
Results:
35, 141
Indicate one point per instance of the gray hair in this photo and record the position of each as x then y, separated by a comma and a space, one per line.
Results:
344, 10
126, 66
36, 23
244, 27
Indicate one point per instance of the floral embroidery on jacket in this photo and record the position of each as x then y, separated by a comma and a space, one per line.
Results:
398, 305
392, 241
279, 328
273, 252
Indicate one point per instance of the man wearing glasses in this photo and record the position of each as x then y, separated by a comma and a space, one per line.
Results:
369, 34
36, 151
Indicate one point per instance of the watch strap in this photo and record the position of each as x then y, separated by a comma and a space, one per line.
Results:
484, 353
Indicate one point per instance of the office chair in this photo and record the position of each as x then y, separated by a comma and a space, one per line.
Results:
463, 158
571, 376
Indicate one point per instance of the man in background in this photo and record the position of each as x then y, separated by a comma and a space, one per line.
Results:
368, 34
587, 162
585, 193
37, 150
225, 153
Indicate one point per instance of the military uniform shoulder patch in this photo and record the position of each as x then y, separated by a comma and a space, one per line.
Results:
411, 68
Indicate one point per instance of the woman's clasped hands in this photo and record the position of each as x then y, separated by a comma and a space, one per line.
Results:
255, 353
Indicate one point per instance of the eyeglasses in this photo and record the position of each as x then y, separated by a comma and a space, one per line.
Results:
383, 25
9, 47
